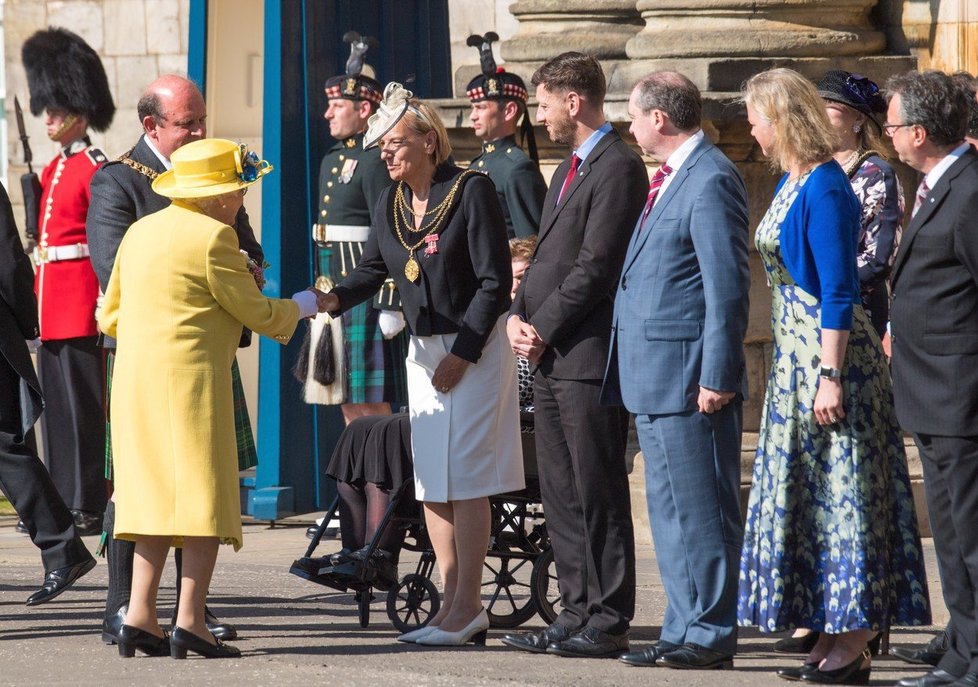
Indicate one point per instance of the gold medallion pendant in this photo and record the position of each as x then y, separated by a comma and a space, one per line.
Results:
411, 269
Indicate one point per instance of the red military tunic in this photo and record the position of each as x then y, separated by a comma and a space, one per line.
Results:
65, 283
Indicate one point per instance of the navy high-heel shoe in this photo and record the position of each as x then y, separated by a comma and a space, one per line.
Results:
132, 639
182, 641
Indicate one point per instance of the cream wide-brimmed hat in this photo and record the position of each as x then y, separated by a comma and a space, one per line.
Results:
210, 167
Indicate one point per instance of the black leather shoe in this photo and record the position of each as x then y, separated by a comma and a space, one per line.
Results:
797, 672
111, 627
224, 631
58, 581
797, 645
648, 656
537, 642
851, 674
935, 678
87, 524
692, 656
21, 528
591, 643
381, 567
182, 641
969, 680
929, 655
132, 639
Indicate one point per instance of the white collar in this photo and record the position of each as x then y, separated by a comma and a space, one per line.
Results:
682, 153
935, 174
157, 153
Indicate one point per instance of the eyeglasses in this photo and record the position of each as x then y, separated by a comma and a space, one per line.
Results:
888, 129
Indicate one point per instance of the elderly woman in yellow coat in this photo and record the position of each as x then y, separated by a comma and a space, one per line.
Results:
179, 294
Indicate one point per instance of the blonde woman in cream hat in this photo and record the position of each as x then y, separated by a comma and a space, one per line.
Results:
440, 234
179, 294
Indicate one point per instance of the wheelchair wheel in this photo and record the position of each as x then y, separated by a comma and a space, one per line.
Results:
546, 593
412, 602
507, 591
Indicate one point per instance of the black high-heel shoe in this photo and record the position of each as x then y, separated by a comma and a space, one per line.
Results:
874, 645
797, 645
131, 639
182, 641
850, 674
797, 672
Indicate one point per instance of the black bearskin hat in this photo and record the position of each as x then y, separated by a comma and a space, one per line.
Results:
64, 73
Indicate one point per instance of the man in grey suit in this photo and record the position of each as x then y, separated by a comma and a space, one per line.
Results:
934, 320
561, 321
677, 362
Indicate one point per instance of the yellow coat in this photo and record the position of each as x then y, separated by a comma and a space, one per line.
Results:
179, 293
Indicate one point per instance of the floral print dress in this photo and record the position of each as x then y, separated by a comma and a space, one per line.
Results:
831, 540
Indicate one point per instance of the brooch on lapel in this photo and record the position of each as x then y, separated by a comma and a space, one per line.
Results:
432, 241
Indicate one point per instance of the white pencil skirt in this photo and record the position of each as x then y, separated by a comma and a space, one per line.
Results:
466, 442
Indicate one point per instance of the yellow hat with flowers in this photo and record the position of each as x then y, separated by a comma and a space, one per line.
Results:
210, 167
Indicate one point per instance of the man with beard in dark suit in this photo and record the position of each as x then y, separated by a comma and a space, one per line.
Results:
23, 476
173, 113
561, 322
934, 331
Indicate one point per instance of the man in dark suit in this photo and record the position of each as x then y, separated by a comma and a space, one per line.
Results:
934, 329
561, 321
172, 112
23, 476
677, 362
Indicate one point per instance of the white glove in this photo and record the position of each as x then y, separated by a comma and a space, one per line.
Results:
391, 323
33, 345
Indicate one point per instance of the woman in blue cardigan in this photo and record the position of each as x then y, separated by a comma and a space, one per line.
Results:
831, 541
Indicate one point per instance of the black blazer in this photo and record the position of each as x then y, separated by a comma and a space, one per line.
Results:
120, 196
568, 291
18, 316
464, 287
934, 314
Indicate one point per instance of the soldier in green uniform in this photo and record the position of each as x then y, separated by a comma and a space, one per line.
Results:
498, 105
357, 362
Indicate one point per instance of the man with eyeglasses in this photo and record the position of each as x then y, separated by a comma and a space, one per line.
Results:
934, 331
172, 112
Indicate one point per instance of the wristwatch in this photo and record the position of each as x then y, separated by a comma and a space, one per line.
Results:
830, 372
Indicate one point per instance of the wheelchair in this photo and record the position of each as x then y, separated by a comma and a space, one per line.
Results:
519, 576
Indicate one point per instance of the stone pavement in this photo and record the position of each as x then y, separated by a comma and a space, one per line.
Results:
294, 632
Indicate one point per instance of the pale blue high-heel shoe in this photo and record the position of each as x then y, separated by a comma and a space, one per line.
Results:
474, 632
415, 635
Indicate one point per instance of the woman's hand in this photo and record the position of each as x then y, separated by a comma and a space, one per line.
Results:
449, 373
828, 402
325, 302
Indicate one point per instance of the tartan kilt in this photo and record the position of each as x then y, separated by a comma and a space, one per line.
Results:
375, 371
247, 454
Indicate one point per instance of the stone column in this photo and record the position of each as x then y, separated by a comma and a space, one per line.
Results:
755, 28
550, 27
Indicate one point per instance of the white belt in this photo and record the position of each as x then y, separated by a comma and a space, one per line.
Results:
43, 254
346, 232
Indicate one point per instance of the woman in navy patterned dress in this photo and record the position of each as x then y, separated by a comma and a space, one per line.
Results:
831, 541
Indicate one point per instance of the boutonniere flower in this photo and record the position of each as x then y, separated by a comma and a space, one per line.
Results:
257, 271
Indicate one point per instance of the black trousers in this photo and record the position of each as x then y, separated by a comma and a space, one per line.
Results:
581, 462
29, 487
73, 424
950, 474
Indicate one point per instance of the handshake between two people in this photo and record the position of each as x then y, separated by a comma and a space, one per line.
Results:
313, 301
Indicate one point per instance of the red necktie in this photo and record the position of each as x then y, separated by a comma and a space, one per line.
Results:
571, 173
922, 192
654, 186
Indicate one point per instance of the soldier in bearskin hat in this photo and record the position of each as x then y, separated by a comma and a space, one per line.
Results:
498, 105
357, 361
68, 86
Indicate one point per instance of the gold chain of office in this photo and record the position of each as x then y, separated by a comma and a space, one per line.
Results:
403, 225
139, 167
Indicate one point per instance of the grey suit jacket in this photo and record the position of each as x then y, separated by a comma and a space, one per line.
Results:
681, 307
934, 314
568, 288
120, 196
